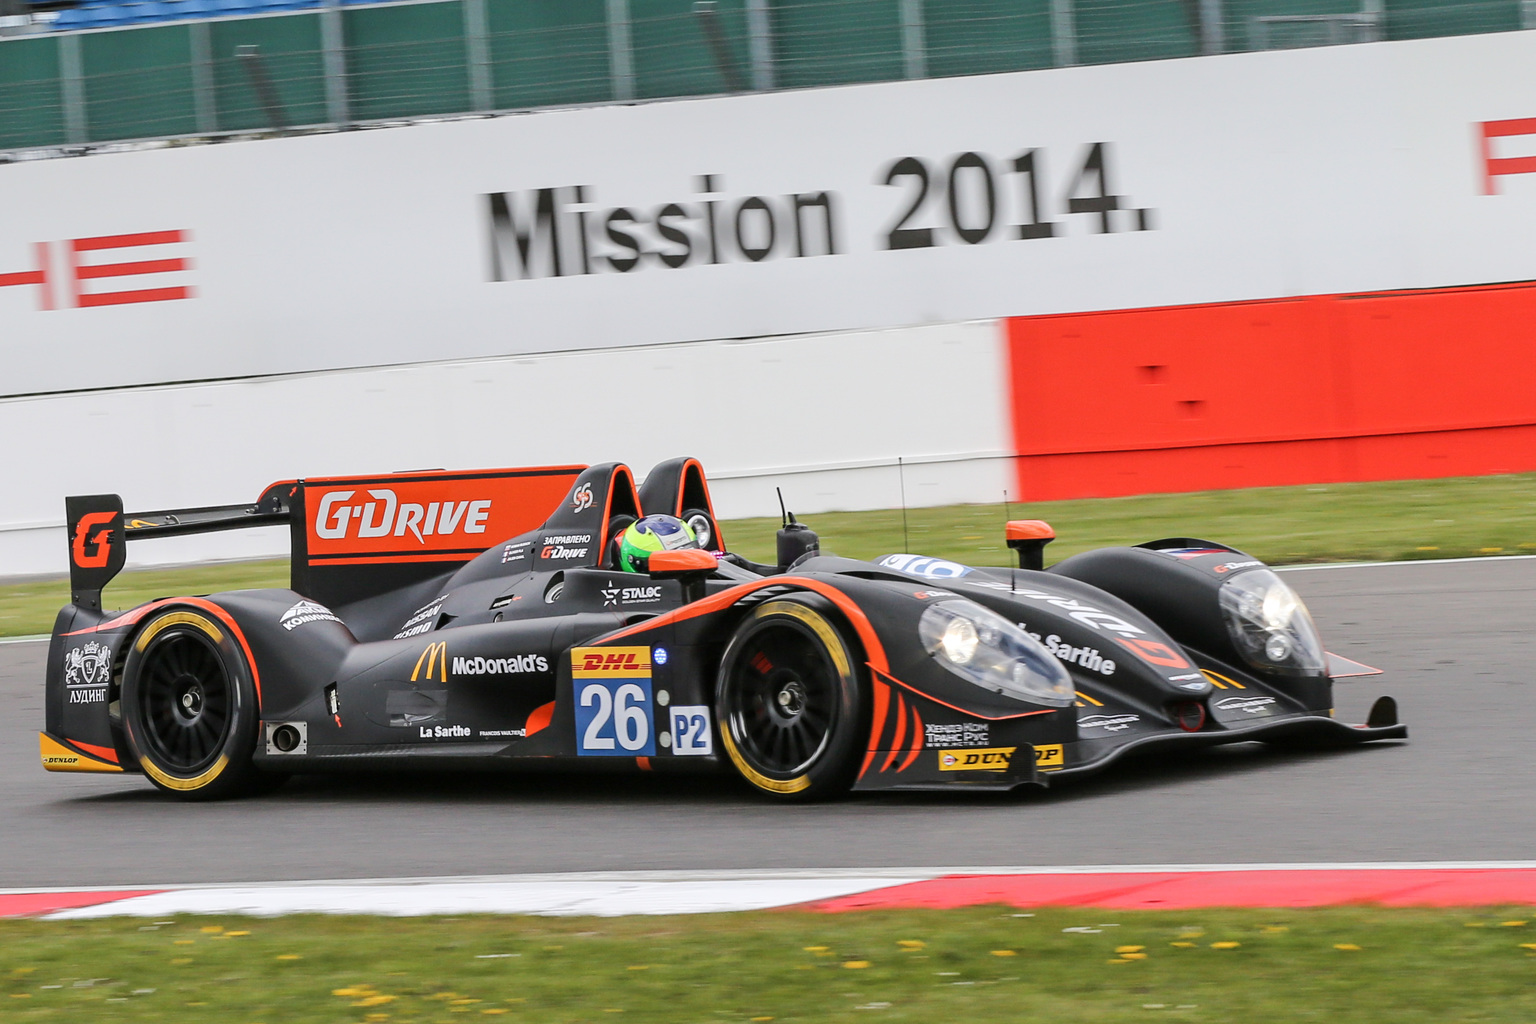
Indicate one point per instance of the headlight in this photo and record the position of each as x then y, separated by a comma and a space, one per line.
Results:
1270, 625
988, 650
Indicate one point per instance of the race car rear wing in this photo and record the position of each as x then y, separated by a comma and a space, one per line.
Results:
349, 536
99, 529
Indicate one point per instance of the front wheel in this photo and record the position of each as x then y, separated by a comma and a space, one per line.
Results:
189, 707
788, 700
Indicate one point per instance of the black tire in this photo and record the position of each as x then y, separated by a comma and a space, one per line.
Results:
189, 707
703, 526
789, 701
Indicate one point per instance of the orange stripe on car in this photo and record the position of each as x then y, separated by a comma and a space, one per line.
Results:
877, 725
955, 707
917, 740
873, 649
901, 733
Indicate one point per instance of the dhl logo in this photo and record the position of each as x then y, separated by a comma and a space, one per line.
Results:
1050, 757
610, 662
986, 759
435, 658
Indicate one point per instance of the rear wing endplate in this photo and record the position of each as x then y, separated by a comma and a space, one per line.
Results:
99, 530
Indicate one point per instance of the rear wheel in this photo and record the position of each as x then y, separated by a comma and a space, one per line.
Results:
788, 701
189, 707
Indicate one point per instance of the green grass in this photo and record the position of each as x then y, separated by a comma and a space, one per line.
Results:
29, 608
1457, 517
1398, 519
974, 965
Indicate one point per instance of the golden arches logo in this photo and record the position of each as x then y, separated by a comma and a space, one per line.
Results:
435, 658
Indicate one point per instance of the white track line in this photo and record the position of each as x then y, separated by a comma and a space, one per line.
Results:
609, 894
1403, 561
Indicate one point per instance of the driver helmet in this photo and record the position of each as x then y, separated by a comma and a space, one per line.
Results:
645, 537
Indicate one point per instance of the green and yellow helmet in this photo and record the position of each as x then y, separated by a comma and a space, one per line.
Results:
647, 536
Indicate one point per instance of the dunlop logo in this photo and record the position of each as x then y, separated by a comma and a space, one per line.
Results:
610, 662
435, 659
986, 759
1050, 756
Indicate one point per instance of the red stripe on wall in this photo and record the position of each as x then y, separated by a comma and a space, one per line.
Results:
144, 295
125, 269
1319, 389
125, 241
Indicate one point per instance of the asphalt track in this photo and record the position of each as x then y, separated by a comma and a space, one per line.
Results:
1455, 639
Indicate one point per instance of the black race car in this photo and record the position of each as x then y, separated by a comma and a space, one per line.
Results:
407, 639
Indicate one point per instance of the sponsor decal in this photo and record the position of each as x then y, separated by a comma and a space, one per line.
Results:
1227, 567
1087, 657
427, 517
1186, 676
616, 595
582, 499
434, 658
691, 734
1154, 653
659, 656
564, 230
88, 665
991, 759
1184, 554
333, 704
306, 612
88, 695
923, 595
1494, 166
422, 620
443, 732
966, 734
383, 514
1250, 705
560, 551
92, 546
71, 289
1109, 723
614, 712
933, 568
1087, 614
517, 664
600, 662
1050, 756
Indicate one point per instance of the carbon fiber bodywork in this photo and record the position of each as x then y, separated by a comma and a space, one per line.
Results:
537, 652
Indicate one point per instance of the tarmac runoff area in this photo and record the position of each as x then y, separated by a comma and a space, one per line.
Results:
1439, 820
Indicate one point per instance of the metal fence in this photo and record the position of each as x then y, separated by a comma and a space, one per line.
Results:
338, 65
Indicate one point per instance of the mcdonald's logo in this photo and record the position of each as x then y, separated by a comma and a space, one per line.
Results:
435, 658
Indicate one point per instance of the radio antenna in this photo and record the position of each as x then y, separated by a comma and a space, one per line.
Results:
901, 475
783, 512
